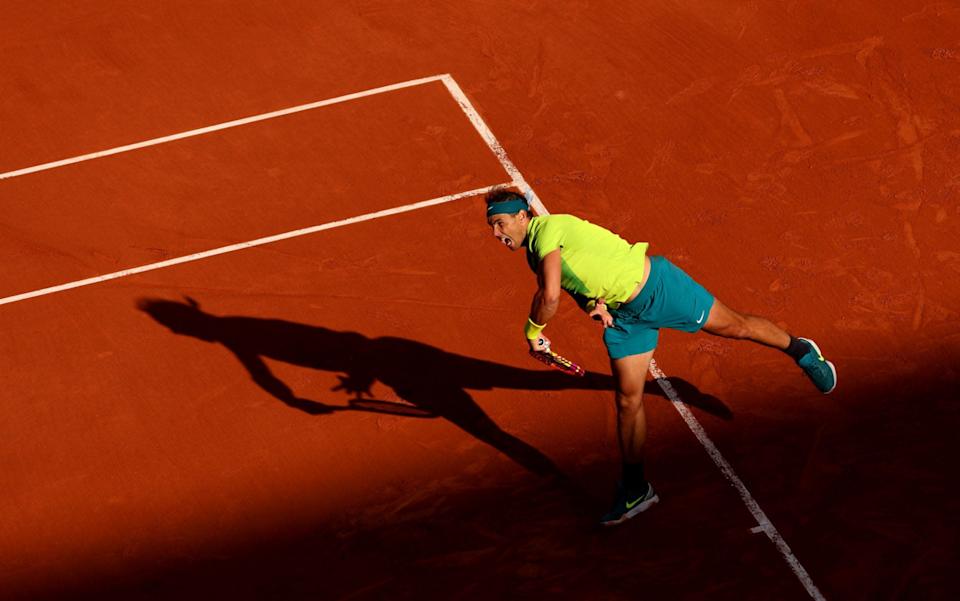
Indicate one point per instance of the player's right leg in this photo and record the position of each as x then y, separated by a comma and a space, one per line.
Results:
724, 321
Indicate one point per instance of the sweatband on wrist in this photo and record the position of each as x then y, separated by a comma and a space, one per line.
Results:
532, 329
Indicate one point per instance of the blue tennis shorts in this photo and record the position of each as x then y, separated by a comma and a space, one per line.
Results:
669, 299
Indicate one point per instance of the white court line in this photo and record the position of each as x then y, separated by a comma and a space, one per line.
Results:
495, 147
250, 244
220, 126
763, 522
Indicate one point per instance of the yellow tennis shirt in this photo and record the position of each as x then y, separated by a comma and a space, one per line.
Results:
595, 262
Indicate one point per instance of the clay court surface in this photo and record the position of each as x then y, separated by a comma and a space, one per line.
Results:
350, 413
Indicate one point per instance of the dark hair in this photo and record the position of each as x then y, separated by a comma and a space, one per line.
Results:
503, 195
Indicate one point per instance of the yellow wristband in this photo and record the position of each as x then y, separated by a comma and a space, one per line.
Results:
533, 329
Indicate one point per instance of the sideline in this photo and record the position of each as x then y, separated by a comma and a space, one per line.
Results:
244, 245
219, 126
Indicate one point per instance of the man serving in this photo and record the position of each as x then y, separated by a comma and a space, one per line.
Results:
633, 295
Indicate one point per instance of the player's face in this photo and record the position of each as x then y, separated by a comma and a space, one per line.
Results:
509, 229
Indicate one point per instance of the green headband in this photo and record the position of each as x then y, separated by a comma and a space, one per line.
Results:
508, 207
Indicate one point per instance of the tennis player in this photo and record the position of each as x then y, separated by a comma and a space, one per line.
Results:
633, 295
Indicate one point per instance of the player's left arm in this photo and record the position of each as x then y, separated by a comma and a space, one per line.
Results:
601, 313
546, 299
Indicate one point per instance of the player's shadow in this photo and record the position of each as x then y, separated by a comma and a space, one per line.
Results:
432, 383
691, 395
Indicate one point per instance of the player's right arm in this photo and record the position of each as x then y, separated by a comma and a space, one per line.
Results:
546, 300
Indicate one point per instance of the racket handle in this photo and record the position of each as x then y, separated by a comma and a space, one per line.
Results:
554, 360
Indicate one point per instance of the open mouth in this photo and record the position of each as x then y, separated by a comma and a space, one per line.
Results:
507, 242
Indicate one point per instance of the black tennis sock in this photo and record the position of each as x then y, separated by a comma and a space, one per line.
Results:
797, 349
634, 481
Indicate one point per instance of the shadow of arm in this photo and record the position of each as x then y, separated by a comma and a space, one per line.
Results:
264, 378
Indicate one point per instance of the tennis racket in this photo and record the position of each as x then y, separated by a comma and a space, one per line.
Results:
554, 360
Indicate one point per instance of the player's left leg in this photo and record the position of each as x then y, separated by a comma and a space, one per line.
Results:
724, 321
634, 494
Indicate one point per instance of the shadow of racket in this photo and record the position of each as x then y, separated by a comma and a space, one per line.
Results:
386, 407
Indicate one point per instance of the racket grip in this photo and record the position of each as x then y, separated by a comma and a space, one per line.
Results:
554, 360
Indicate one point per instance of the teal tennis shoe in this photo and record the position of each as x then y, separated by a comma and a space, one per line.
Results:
626, 506
821, 372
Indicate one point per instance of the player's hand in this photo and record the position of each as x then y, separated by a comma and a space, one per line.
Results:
601, 314
539, 344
